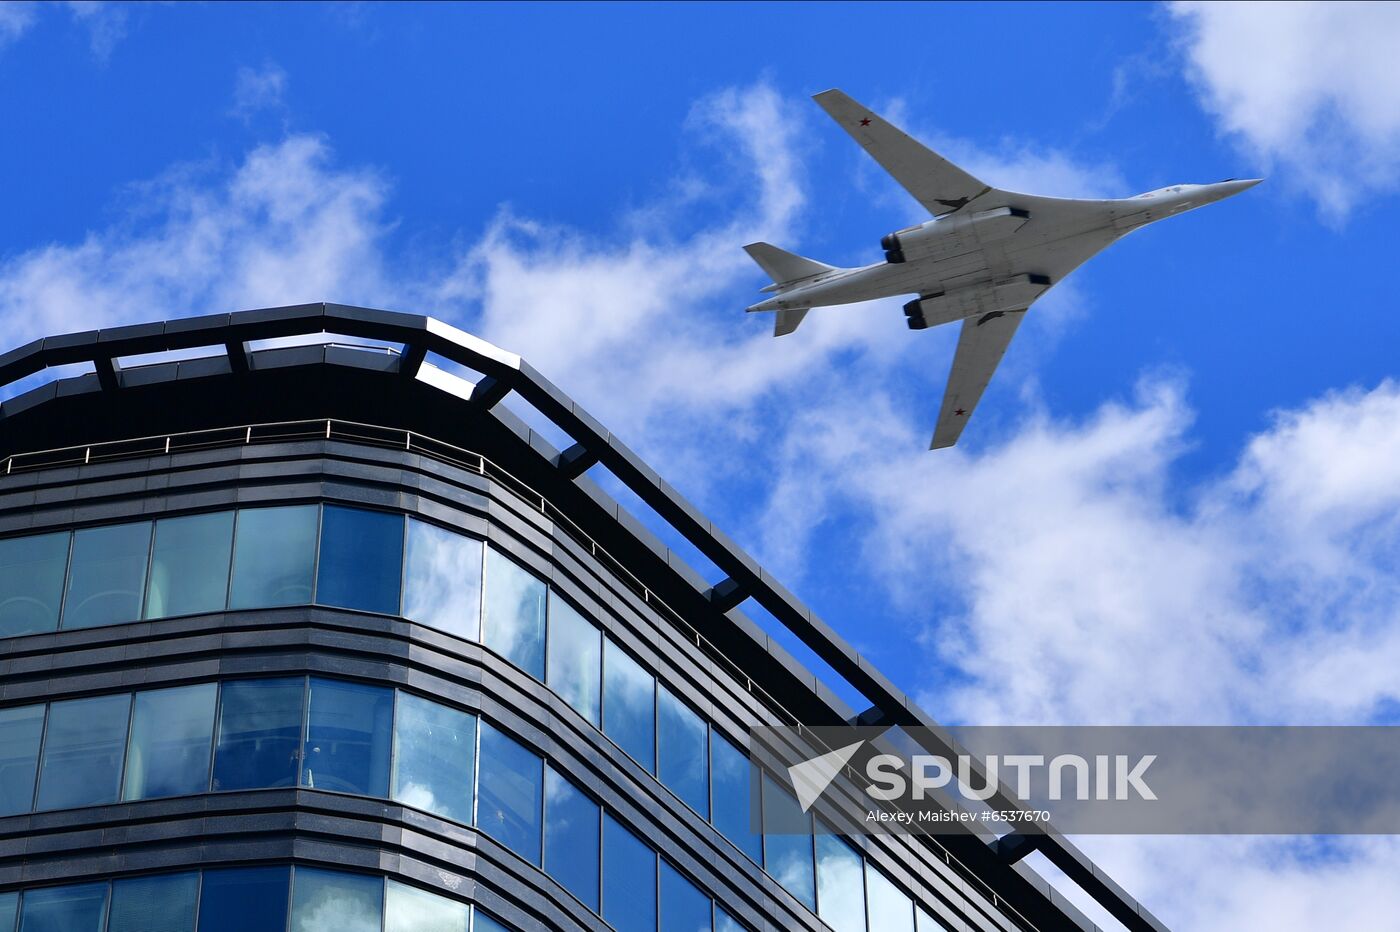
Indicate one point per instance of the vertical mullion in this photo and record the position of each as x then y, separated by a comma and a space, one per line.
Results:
198, 897
393, 744
39, 760
126, 745
305, 729
233, 555
67, 578
150, 569
291, 891
214, 741
403, 564
476, 770
316, 557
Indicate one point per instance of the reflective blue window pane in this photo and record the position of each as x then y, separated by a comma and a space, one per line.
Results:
259, 733
840, 886
82, 763
20, 731
514, 610
160, 903
244, 899
683, 907
333, 901
435, 750
348, 735
787, 855
725, 922
575, 658
889, 908
736, 787
32, 570
361, 559
442, 580
509, 793
408, 909
629, 880
484, 923
107, 575
189, 565
629, 705
9, 911
77, 908
571, 838
682, 752
171, 736
274, 556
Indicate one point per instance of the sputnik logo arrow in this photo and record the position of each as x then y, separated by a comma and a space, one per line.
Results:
811, 777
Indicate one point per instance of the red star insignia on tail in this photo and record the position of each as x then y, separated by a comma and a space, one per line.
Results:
865, 122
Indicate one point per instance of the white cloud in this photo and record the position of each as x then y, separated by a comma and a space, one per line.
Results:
259, 89
104, 21
282, 227
15, 20
1307, 86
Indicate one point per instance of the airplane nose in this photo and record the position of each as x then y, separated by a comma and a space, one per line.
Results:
1234, 186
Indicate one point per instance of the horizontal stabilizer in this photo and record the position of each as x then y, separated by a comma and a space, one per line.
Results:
788, 321
783, 266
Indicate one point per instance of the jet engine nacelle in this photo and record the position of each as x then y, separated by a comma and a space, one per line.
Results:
1013, 294
950, 236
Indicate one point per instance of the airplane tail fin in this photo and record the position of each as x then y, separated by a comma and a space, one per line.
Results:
782, 266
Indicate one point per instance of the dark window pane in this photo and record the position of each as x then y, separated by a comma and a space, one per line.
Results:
683, 907
575, 658
725, 922
259, 734
332, 901
82, 763
629, 880
571, 838
736, 787
682, 755
244, 899
348, 735
162, 903
107, 575
20, 731
189, 565
435, 750
78, 908
361, 559
442, 584
509, 794
274, 555
484, 923
889, 907
9, 911
787, 857
408, 909
171, 733
514, 622
629, 705
840, 886
31, 583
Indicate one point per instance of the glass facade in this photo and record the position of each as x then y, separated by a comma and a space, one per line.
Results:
167, 753
888, 907
513, 625
106, 575
571, 826
629, 880
189, 565
83, 743
435, 748
240, 899
348, 736
32, 570
840, 885
370, 740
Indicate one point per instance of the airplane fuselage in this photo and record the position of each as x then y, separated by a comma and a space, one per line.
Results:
1026, 239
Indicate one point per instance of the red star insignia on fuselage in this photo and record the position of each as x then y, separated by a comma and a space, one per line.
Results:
865, 122
959, 413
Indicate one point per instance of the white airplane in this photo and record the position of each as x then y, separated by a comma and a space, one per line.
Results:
985, 258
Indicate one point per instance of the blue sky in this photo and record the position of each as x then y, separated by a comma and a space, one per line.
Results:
1179, 499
